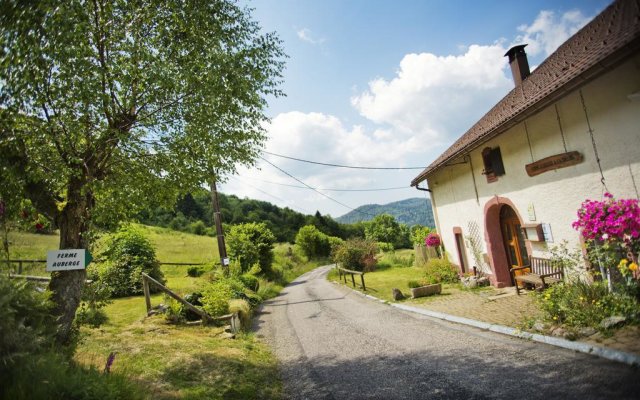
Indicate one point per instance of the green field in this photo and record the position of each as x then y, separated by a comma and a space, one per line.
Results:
178, 361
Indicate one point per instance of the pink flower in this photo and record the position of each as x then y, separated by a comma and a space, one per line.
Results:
432, 240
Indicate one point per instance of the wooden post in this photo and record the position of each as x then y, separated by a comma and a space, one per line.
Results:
353, 280
205, 317
217, 220
362, 279
147, 293
20, 267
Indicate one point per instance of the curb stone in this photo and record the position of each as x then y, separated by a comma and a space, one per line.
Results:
602, 352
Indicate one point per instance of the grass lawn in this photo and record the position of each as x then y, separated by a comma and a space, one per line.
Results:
178, 361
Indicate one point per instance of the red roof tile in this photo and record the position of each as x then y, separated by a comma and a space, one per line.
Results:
608, 39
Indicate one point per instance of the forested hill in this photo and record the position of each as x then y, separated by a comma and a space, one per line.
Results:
193, 213
414, 211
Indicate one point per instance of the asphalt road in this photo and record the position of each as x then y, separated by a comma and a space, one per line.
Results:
333, 343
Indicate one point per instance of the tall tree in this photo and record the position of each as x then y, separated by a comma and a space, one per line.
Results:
109, 106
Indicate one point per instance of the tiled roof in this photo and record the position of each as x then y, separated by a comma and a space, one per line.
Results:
608, 39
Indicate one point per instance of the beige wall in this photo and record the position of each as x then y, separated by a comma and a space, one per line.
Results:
555, 195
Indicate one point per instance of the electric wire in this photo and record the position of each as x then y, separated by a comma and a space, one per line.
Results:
299, 209
314, 189
334, 190
338, 165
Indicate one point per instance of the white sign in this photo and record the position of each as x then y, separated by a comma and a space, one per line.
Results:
548, 236
225, 261
68, 259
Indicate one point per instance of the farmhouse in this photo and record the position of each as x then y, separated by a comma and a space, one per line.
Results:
508, 189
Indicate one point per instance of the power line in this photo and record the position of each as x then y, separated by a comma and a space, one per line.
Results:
300, 209
312, 188
333, 190
338, 165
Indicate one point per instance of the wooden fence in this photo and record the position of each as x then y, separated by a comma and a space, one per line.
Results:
233, 318
343, 272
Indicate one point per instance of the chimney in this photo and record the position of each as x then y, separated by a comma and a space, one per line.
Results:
519, 64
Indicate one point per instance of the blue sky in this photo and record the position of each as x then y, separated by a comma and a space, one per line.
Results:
388, 84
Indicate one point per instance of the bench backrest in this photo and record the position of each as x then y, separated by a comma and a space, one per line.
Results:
542, 266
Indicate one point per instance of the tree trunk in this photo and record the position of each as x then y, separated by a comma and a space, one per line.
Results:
66, 286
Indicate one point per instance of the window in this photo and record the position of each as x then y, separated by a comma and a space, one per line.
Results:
492, 160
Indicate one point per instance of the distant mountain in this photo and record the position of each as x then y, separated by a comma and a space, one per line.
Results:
415, 211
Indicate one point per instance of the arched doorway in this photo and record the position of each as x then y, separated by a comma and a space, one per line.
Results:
505, 242
512, 238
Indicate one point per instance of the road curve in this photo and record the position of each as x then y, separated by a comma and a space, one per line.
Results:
332, 343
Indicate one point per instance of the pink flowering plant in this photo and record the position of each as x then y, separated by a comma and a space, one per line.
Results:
611, 228
432, 240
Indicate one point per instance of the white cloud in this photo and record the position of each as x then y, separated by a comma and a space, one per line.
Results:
306, 35
410, 118
550, 30
432, 97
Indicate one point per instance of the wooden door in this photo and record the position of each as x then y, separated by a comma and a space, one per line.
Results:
513, 238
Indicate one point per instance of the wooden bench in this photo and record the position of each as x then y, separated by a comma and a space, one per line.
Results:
540, 273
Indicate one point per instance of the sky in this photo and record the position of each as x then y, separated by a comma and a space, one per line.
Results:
390, 84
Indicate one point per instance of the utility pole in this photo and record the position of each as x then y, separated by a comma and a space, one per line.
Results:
222, 249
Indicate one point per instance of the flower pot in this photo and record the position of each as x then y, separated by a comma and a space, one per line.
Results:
426, 290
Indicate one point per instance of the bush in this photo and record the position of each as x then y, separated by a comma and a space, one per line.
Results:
243, 308
198, 228
385, 247
194, 271
95, 296
313, 243
579, 304
63, 380
128, 254
26, 322
215, 297
440, 271
250, 282
356, 254
251, 243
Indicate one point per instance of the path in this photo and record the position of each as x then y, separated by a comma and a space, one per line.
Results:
335, 344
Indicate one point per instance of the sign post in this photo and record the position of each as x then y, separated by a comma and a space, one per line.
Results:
68, 259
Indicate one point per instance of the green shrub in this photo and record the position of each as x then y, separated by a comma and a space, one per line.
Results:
440, 271
419, 234
95, 296
198, 228
26, 322
128, 254
250, 281
215, 299
313, 243
251, 243
48, 375
385, 247
356, 254
194, 271
579, 304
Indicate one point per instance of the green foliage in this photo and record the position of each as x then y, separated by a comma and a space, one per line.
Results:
250, 281
580, 304
64, 380
128, 253
414, 284
402, 259
419, 233
440, 271
26, 323
194, 271
243, 308
198, 228
215, 298
356, 254
385, 228
95, 296
385, 247
313, 242
283, 222
251, 243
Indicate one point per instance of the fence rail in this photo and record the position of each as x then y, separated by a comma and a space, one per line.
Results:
343, 272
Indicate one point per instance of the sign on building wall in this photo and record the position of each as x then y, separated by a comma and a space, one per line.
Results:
554, 162
68, 259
